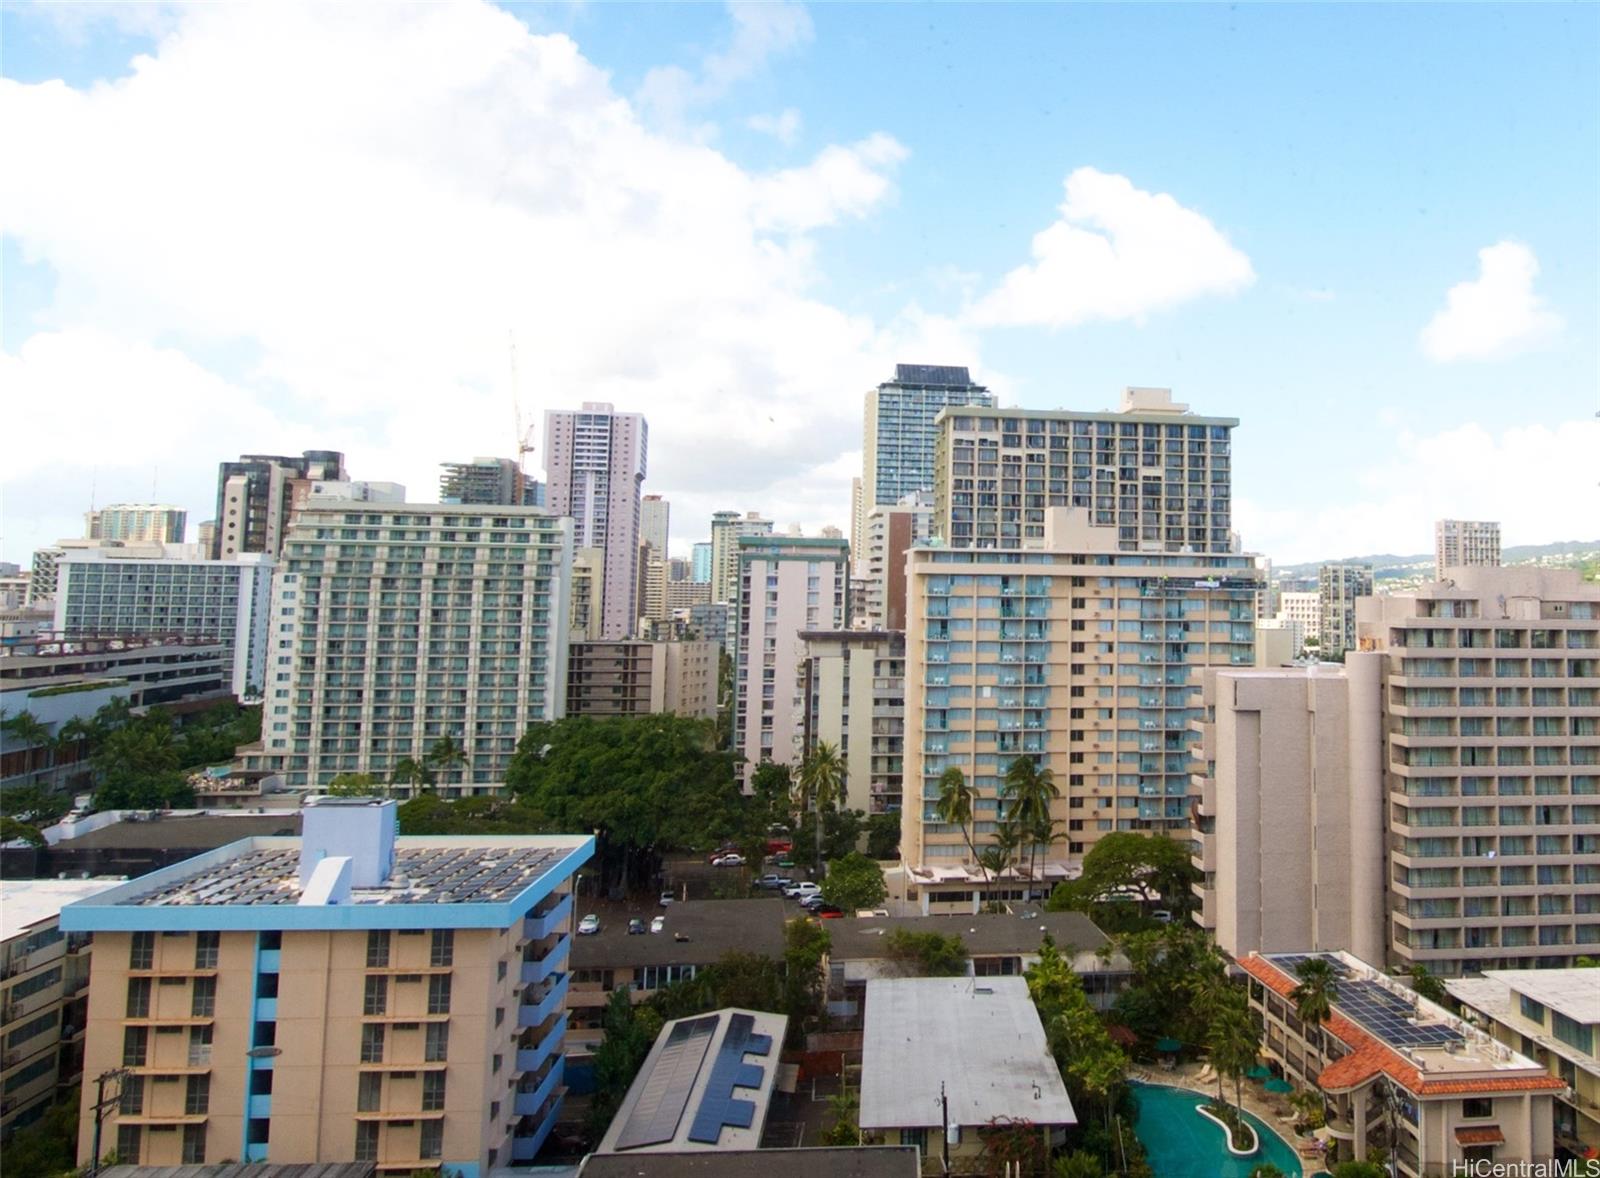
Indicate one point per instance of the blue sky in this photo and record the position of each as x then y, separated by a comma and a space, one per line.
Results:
591, 183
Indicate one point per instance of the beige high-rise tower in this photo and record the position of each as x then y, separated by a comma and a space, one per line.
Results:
1461, 543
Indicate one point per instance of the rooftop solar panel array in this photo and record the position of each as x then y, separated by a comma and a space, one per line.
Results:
718, 1106
656, 1115
1376, 1008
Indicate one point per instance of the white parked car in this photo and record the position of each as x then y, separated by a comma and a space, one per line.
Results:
803, 889
731, 859
658, 924
589, 925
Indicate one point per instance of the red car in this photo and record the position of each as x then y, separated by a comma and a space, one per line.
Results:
827, 911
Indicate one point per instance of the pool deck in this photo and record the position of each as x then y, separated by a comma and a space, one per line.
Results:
1275, 1111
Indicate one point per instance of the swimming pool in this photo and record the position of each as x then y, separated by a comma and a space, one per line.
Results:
1180, 1143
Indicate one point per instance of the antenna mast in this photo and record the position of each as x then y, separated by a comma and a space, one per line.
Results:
524, 439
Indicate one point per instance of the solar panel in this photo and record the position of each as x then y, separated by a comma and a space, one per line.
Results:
655, 1116
1375, 1007
718, 1106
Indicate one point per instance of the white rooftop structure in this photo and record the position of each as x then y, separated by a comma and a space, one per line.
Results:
1572, 992
979, 1037
27, 902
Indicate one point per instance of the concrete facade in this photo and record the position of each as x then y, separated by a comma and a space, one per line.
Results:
1462, 543
1289, 810
99, 592
891, 533
1086, 660
257, 495
1491, 756
636, 678
727, 527
787, 585
1153, 476
161, 523
899, 429
407, 1029
489, 482
395, 625
1338, 588
596, 464
855, 686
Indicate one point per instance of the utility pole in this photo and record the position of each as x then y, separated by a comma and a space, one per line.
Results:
944, 1126
102, 1104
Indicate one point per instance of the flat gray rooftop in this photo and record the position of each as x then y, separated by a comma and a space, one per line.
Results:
199, 832
697, 932
984, 934
421, 875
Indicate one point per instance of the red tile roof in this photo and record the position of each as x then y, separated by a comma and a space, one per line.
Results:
1488, 1135
1369, 1057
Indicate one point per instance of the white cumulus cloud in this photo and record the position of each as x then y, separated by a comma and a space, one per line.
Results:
784, 126
301, 225
760, 31
1117, 252
1494, 315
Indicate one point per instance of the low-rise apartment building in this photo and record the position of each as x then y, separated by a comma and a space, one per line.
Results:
629, 677
342, 996
1552, 1016
43, 976
1403, 1074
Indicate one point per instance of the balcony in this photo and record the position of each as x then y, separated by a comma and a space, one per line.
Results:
537, 969
550, 917
529, 1059
533, 1093
539, 1004
531, 1133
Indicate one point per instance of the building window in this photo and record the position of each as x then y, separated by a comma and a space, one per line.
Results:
1477, 1107
431, 1140
128, 1143
199, 1046
437, 1044
142, 953
366, 1141
369, 1092
194, 1144
377, 948
443, 949
135, 1046
1574, 1034
1532, 1010
131, 1102
432, 1091
206, 946
203, 1004
439, 994
372, 1043
138, 997
376, 998
197, 1096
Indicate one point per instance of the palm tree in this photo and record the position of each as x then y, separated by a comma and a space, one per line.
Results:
26, 730
821, 780
1234, 1041
444, 753
998, 855
1317, 992
413, 772
1428, 985
955, 803
1030, 790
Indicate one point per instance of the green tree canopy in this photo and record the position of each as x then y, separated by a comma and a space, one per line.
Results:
1124, 863
1313, 998
883, 836
927, 955
629, 1033
356, 785
854, 882
1092, 1066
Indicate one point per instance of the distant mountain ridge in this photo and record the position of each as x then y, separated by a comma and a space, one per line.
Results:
1388, 564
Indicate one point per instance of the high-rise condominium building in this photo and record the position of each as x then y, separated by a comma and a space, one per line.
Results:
898, 448
1076, 655
597, 461
257, 494
490, 482
43, 973
715, 621
1338, 587
787, 585
635, 678
654, 523
1440, 792
101, 593
726, 529
868, 667
1459, 543
1304, 608
396, 625
588, 569
159, 523
858, 523
891, 531
700, 562
1154, 476
342, 996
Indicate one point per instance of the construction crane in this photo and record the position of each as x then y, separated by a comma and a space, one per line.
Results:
524, 439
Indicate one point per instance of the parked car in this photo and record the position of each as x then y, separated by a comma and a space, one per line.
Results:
773, 880
801, 887
666, 898
784, 861
1161, 916
827, 911
658, 924
635, 926
811, 901
720, 852
731, 859
589, 925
